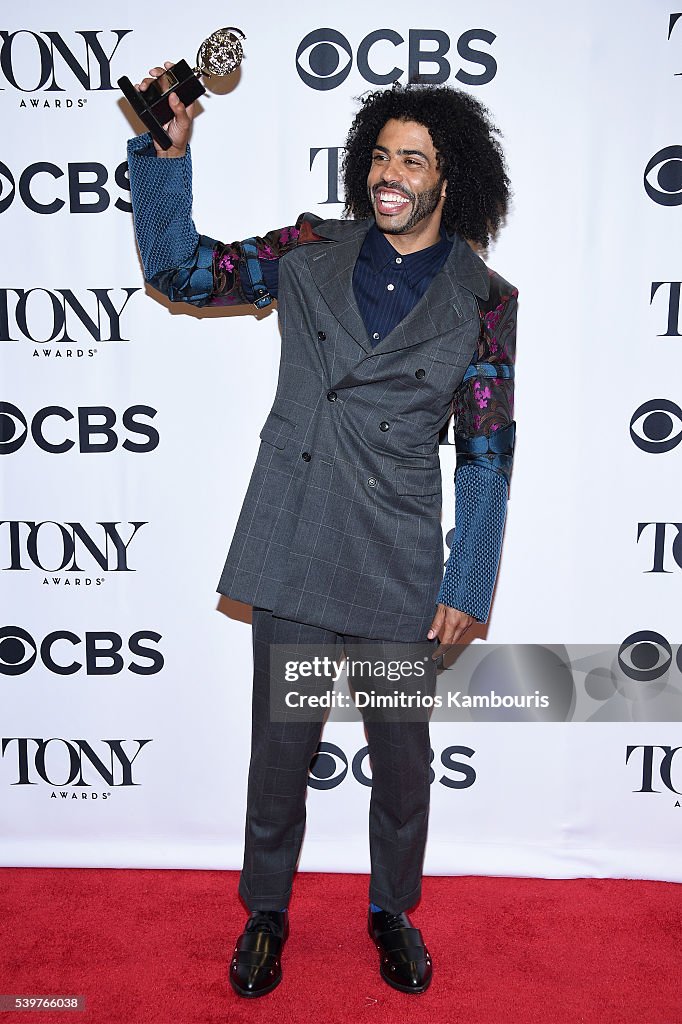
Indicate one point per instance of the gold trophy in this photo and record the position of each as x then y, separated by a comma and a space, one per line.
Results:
220, 54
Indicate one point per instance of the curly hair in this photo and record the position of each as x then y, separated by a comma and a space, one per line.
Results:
470, 156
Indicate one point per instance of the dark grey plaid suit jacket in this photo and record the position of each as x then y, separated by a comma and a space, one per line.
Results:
340, 526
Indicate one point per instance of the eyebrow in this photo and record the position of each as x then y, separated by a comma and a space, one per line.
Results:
404, 152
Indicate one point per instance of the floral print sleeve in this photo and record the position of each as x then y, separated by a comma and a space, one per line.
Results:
484, 402
233, 283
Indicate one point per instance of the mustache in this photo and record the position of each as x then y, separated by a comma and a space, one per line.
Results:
394, 187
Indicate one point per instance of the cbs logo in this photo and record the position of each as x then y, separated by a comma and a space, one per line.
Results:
329, 767
324, 57
94, 428
87, 187
101, 652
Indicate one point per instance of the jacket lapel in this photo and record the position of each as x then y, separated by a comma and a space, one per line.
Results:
332, 271
442, 308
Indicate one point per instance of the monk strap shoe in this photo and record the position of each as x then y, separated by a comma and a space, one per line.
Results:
404, 960
256, 966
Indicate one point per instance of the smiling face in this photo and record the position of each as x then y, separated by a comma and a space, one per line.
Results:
405, 186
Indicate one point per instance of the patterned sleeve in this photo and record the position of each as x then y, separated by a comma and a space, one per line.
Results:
194, 268
484, 438
248, 270
484, 401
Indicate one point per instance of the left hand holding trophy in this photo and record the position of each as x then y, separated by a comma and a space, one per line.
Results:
220, 54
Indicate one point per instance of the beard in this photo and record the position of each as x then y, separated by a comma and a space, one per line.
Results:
423, 205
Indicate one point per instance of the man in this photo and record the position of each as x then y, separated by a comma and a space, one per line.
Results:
388, 318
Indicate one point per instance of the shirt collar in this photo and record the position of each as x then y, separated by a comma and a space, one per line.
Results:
415, 264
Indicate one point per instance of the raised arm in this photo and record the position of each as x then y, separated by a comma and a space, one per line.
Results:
177, 260
484, 437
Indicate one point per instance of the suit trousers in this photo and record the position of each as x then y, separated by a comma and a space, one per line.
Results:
281, 752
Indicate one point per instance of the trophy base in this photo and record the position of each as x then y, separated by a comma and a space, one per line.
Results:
152, 106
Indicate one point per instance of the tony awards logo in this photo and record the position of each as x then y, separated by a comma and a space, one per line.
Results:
220, 54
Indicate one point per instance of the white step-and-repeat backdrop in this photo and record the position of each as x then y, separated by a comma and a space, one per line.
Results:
128, 429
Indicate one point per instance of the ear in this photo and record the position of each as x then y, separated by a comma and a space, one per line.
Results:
444, 188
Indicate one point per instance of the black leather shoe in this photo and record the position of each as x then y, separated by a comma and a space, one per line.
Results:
256, 966
404, 960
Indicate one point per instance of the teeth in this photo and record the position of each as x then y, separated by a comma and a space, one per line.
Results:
391, 197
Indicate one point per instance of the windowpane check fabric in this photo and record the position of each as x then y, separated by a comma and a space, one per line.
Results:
365, 551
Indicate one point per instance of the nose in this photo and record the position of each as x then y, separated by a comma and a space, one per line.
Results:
390, 171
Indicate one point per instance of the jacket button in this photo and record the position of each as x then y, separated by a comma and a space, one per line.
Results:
306, 456
384, 425
331, 396
419, 373
321, 336
372, 481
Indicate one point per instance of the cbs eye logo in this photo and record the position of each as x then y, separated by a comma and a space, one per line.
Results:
656, 426
328, 50
646, 656
18, 651
665, 185
328, 767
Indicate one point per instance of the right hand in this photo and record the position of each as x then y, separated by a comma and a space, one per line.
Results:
179, 128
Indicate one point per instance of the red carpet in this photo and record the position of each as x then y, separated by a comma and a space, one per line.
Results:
153, 946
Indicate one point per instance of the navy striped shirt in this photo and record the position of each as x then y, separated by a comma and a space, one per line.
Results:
387, 285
